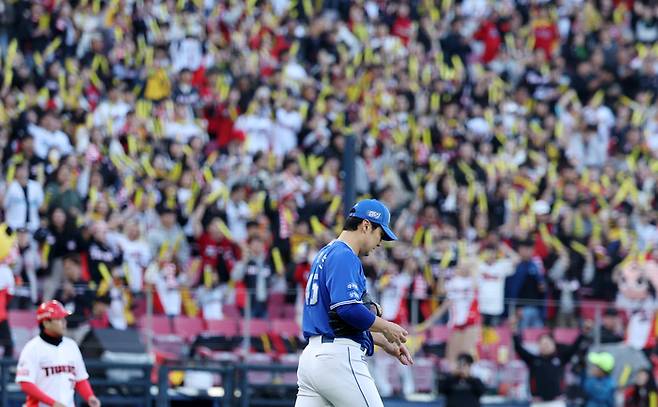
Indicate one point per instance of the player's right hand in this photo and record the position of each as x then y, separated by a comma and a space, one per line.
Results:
94, 402
395, 334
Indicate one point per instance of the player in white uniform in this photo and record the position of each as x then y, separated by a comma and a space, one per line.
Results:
50, 368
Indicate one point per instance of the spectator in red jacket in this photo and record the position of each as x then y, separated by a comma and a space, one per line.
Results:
403, 26
545, 33
489, 35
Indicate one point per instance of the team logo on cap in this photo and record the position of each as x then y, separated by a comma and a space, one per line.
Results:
374, 214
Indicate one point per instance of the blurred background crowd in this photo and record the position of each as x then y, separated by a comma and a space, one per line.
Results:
196, 147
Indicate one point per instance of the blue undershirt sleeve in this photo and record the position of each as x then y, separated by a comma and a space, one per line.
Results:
357, 315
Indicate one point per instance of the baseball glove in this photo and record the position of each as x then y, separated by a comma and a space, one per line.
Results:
371, 305
342, 328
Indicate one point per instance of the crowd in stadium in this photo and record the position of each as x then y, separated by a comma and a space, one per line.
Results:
196, 147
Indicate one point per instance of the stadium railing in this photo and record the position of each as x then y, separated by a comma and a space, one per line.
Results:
110, 389
220, 396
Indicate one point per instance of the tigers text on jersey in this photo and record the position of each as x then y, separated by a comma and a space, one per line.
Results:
336, 279
55, 370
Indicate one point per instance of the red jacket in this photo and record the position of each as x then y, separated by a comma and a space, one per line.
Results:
489, 35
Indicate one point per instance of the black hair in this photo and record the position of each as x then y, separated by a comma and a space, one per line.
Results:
465, 358
236, 187
73, 257
352, 223
257, 157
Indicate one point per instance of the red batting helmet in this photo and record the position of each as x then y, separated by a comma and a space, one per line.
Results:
52, 309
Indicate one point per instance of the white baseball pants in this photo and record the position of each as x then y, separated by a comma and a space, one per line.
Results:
335, 374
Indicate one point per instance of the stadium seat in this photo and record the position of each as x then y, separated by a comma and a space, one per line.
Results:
161, 324
565, 335
22, 319
226, 357
172, 346
275, 305
504, 335
285, 327
423, 372
392, 373
439, 334
258, 377
187, 327
257, 327
289, 360
589, 309
532, 335
289, 312
231, 311
21, 336
223, 327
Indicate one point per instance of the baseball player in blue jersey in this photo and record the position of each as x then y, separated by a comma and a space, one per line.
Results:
341, 322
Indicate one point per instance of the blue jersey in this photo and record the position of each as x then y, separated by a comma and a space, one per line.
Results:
336, 279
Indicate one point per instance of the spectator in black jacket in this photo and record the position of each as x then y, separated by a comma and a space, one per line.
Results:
610, 327
101, 255
546, 368
76, 297
461, 389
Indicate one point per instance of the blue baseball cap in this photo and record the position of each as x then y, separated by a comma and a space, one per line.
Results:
375, 212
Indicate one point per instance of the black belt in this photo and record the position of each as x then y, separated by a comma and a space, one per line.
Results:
329, 339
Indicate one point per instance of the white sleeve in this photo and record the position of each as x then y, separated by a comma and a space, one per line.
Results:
11, 283
145, 255
8, 196
7, 279
80, 368
116, 241
26, 370
39, 195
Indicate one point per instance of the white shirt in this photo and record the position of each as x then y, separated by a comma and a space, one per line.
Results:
167, 286
324, 184
491, 294
136, 256
7, 281
187, 53
392, 295
288, 125
237, 215
44, 140
461, 294
53, 369
183, 131
116, 311
210, 301
258, 131
641, 320
16, 206
115, 113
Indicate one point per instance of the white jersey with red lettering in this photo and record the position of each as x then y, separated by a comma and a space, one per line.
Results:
463, 296
54, 369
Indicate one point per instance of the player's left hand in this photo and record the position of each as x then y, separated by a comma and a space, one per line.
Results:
401, 353
404, 356
94, 402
